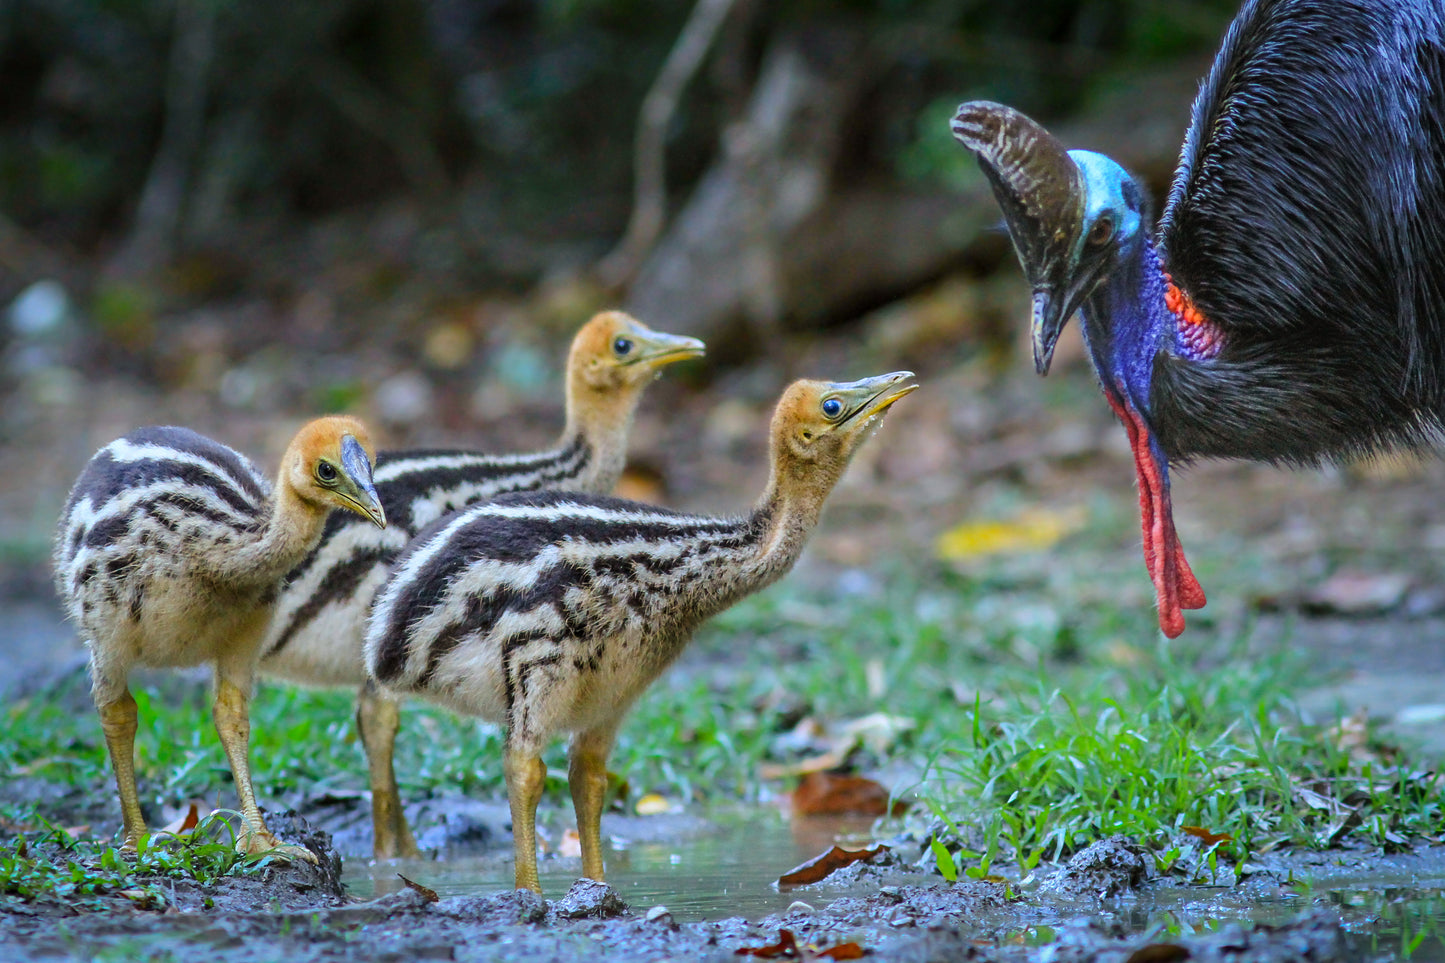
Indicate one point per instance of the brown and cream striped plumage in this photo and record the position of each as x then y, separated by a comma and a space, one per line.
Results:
170, 552
320, 624
552, 612
319, 629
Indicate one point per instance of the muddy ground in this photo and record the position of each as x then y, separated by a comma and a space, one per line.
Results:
1105, 904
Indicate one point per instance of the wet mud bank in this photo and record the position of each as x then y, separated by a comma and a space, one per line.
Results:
1107, 903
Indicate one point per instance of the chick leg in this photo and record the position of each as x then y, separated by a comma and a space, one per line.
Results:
233, 724
526, 775
377, 718
118, 720
587, 777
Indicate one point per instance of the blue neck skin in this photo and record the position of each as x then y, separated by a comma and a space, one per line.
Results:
1127, 323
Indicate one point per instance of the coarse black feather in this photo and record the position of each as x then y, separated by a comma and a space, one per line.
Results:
1307, 221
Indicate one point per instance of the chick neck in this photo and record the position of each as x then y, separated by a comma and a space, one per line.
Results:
599, 419
792, 502
289, 530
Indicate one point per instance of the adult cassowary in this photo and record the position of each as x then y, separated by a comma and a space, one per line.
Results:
1290, 307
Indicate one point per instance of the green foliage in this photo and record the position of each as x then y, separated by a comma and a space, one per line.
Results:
55, 865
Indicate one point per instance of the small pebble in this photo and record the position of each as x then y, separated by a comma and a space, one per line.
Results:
798, 906
659, 914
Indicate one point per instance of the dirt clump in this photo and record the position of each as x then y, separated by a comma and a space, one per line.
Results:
1108, 868
591, 900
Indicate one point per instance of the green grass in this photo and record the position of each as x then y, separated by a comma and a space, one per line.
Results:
53, 864
1038, 712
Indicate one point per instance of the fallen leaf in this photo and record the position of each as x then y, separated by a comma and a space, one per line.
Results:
1032, 531
786, 946
652, 804
571, 845
1159, 953
828, 794
187, 820
1357, 593
783, 770
823, 866
1209, 837
429, 894
1342, 816
641, 483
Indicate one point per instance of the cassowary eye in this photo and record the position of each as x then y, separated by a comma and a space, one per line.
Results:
1101, 232
832, 408
621, 347
326, 473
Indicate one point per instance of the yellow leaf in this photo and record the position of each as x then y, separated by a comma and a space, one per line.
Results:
652, 805
1031, 531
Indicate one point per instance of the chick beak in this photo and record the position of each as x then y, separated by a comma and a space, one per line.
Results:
358, 489
658, 348
1041, 191
873, 396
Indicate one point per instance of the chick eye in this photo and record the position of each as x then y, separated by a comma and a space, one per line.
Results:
621, 347
326, 472
1101, 232
832, 408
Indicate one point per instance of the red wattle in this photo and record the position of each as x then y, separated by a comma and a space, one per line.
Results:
1175, 586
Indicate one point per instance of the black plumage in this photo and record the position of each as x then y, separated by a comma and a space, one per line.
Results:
1289, 309
1307, 221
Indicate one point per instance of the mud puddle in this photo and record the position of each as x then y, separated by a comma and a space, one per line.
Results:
724, 869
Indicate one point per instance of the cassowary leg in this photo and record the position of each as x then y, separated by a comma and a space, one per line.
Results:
526, 775
231, 712
377, 718
118, 721
587, 778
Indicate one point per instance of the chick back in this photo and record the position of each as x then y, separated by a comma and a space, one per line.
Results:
143, 518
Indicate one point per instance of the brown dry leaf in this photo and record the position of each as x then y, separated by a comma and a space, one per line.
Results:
782, 770
786, 946
188, 820
1357, 593
823, 866
1159, 953
1341, 816
429, 894
641, 483
828, 794
571, 845
1208, 836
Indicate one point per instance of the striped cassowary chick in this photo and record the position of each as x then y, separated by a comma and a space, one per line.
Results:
170, 552
553, 612
320, 625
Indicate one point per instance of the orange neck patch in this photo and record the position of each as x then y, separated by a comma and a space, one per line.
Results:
1199, 338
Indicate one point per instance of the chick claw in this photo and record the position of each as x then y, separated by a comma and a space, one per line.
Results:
263, 843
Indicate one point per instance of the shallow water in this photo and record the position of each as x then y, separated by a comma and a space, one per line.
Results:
730, 871
727, 871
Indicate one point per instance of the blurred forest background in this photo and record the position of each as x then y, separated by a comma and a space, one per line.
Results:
233, 215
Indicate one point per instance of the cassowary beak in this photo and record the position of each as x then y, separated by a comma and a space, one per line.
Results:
1041, 191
